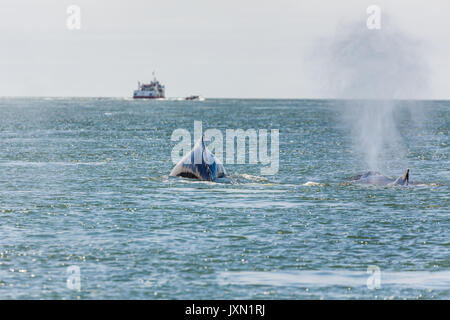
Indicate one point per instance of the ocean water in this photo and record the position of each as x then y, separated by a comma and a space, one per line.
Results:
84, 186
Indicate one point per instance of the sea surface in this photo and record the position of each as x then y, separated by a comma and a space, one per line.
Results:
86, 201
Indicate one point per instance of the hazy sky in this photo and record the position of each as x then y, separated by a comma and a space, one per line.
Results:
233, 48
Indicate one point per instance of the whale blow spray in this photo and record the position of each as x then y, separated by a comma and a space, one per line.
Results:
373, 70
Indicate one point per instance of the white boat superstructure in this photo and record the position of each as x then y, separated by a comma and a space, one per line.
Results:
152, 90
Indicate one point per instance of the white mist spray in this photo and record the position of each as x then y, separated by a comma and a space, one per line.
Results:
372, 70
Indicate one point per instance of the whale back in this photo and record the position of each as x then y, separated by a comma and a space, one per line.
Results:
200, 164
372, 177
376, 178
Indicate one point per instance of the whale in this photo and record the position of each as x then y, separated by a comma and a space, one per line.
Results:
199, 164
376, 178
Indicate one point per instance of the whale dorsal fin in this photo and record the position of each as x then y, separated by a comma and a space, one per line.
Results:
403, 180
406, 176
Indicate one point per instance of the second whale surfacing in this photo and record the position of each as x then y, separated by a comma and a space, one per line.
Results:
199, 164
376, 178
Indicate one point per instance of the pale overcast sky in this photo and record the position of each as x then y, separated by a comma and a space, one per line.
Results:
232, 48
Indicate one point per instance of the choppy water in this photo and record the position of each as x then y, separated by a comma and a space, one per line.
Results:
84, 182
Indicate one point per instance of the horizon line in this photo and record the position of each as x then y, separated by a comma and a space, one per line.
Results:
230, 98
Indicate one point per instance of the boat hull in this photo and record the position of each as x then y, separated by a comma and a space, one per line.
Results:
147, 97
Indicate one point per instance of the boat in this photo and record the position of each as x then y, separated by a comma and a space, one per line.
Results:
195, 98
152, 90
